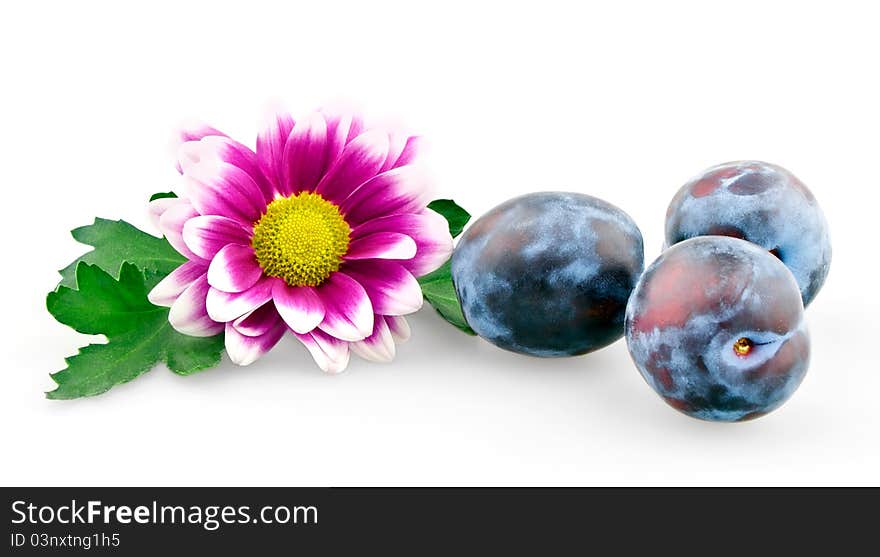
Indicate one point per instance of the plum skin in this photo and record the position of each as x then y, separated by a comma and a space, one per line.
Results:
687, 313
548, 274
764, 204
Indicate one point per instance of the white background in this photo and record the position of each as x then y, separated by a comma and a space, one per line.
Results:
624, 101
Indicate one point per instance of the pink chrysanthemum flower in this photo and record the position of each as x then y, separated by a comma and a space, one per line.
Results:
321, 231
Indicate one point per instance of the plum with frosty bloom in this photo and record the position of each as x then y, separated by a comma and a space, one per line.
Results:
764, 204
548, 274
321, 231
716, 328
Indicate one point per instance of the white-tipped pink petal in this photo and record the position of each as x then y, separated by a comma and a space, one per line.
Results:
391, 288
229, 306
216, 192
172, 286
206, 235
429, 230
234, 269
304, 155
257, 322
406, 189
299, 306
359, 161
348, 313
271, 146
399, 328
245, 350
342, 127
378, 347
216, 186
410, 151
212, 151
194, 131
382, 245
171, 225
396, 145
157, 208
188, 314
330, 353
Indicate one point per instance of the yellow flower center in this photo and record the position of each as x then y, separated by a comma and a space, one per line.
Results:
301, 239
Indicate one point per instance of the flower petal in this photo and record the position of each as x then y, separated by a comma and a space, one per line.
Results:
401, 190
407, 155
271, 146
330, 353
399, 328
229, 306
157, 208
218, 196
172, 286
304, 155
382, 245
348, 313
213, 150
188, 314
359, 161
429, 230
342, 127
171, 224
206, 235
257, 322
299, 306
196, 130
193, 132
378, 347
410, 152
234, 269
216, 187
396, 145
245, 350
391, 288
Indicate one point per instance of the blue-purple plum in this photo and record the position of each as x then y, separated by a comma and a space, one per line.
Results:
764, 204
548, 274
716, 328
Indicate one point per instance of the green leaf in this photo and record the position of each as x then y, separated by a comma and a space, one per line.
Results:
438, 289
115, 242
138, 333
163, 195
455, 215
185, 355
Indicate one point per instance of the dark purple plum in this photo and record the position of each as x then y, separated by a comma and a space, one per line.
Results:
764, 204
548, 274
716, 327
